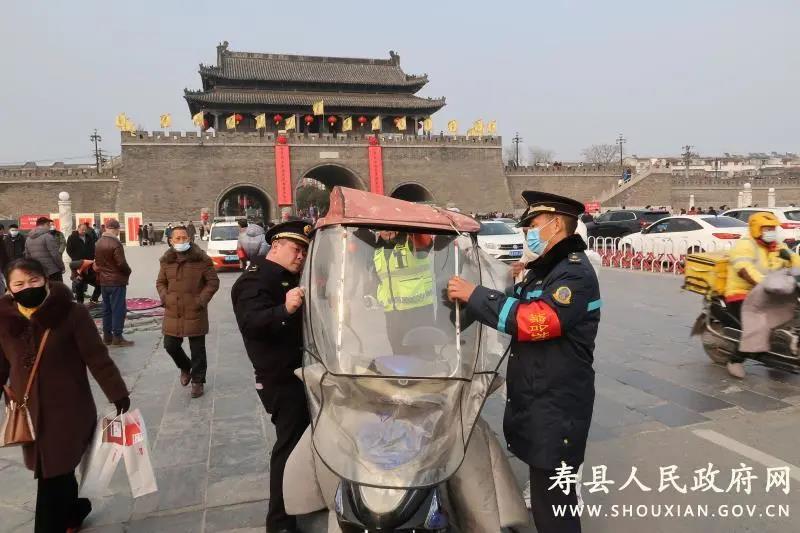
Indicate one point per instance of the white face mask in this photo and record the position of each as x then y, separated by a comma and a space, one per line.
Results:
13, 232
769, 235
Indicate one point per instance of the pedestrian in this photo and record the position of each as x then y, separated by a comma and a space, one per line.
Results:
112, 273
553, 322
168, 234
140, 235
712, 211
80, 248
202, 231
145, 235
59, 237
266, 301
4, 261
192, 230
43, 246
14, 243
251, 243
151, 234
186, 283
39, 316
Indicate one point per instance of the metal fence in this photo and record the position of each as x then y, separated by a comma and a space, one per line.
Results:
658, 255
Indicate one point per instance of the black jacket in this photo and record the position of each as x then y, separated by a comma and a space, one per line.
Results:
15, 246
552, 317
272, 337
78, 249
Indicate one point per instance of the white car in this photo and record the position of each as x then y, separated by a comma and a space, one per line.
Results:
223, 239
510, 222
500, 241
789, 217
682, 234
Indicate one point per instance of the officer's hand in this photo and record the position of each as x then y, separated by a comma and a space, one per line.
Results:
516, 268
370, 302
459, 289
294, 299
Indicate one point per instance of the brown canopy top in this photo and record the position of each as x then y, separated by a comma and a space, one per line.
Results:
352, 207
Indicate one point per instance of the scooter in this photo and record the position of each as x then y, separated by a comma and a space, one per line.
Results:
396, 442
721, 332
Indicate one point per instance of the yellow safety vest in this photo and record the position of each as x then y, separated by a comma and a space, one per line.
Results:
406, 281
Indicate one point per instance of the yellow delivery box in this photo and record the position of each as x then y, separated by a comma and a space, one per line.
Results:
706, 272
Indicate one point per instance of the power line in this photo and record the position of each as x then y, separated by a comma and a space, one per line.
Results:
95, 138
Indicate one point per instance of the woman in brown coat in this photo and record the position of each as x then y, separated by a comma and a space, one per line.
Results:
61, 404
186, 283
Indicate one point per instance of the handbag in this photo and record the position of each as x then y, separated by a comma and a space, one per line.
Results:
17, 428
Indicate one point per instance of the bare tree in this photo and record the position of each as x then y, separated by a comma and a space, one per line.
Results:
537, 155
603, 154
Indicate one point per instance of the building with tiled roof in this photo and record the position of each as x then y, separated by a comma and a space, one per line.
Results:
246, 84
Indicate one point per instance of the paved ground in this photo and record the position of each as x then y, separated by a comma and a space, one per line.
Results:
659, 403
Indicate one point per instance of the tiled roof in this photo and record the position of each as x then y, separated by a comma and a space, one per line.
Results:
246, 66
333, 101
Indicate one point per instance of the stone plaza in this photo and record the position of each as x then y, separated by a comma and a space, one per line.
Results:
659, 402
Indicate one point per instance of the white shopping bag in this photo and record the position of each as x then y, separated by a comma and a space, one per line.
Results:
101, 459
137, 455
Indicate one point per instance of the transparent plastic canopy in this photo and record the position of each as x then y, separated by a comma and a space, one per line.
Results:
396, 374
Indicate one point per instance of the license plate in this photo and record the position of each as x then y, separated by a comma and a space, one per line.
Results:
515, 253
231, 259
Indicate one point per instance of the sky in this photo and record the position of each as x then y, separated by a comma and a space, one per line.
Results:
721, 75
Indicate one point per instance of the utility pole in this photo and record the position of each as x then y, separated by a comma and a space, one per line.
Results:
516, 140
687, 158
620, 141
95, 138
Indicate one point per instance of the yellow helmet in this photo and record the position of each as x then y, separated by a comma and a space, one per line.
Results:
759, 220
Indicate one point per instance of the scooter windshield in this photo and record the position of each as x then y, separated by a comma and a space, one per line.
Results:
396, 374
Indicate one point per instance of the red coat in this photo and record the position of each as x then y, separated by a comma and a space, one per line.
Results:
61, 402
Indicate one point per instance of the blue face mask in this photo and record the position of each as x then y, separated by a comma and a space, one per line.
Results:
535, 242
182, 247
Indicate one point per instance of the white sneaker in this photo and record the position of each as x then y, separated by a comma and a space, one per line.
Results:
736, 370
526, 494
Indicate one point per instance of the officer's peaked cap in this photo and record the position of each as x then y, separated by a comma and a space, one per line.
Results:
296, 230
545, 202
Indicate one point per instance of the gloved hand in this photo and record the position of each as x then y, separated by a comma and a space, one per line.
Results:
370, 302
123, 405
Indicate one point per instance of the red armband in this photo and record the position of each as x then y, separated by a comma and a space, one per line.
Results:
537, 321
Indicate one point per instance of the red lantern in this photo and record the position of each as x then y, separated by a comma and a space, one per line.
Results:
362, 120
309, 119
373, 141
205, 123
282, 139
239, 117
277, 118
332, 120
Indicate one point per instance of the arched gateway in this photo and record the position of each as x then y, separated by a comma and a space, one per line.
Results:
245, 201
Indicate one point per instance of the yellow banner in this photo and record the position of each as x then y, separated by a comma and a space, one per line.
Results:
261, 121
291, 123
347, 124
427, 125
199, 120
452, 126
129, 125
119, 122
400, 123
318, 107
477, 127
165, 120
492, 127
376, 124
230, 122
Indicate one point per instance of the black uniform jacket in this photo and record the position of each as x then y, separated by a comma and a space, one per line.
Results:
272, 337
552, 317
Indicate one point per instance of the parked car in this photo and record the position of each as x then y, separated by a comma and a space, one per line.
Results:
500, 241
788, 231
623, 222
682, 234
223, 240
512, 223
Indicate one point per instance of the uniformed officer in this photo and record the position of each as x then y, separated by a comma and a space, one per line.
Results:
266, 301
552, 316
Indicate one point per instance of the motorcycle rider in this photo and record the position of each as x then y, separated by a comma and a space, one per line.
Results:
403, 281
749, 262
552, 316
